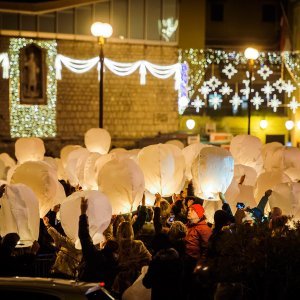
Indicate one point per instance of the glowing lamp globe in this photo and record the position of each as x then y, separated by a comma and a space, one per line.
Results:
289, 125
263, 124
190, 124
251, 53
100, 29
298, 124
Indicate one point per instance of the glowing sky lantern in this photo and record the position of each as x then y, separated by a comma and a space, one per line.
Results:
190, 153
210, 207
118, 150
293, 173
9, 162
176, 143
101, 161
212, 172
123, 183
99, 214
291, 157
42, 179
287, 197
61, 172
65, 151
90, 175
163, 167
272, 154
20, 213
97, 140
246, 150
268, 180
250, 174
3, 170
29, 149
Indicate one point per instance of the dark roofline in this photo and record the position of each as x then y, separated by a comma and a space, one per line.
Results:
43, 7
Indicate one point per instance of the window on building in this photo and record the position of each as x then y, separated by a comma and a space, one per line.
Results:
217, 12
269, 13
65, 21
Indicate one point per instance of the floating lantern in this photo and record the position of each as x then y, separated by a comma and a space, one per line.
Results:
29, 149
97, 140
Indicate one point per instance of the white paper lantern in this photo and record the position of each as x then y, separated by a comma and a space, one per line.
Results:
246, 150
60, 194
90, 178
61, 172
287, 197
118, 150
75, 165
29, 149
51, 162
250, 174
291, 157
8, 161
42, 179
190, 153
3, 170
97, 140
99, 214
232, 193
267, 181
210, 207
273, 156
163, 167
176, 143
246, 196
123, 182
212, 172
65, 151
20, 213
293, 173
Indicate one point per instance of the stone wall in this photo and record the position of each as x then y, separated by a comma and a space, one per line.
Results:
131, 111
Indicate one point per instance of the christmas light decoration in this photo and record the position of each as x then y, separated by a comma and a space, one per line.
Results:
32, 120
274, 103
293, 105
198, 103
265, 72
236, 101
229, 70
214, 82
215, 100
204, 90
289, 88
225, 89
257, 100
268, 90
279, 85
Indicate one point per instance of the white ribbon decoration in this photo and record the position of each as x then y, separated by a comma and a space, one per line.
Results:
4, 61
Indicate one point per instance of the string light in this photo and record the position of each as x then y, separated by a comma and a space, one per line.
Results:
32, 120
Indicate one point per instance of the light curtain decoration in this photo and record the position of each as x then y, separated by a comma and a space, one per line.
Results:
120, 69
32, 120
4, 61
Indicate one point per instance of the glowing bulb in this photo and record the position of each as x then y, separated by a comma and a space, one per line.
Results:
298, 124
99, 29
190, 124
251, 53
263, 124
289, 125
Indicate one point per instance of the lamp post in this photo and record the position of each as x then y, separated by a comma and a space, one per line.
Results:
101, 31
251, 54
289, 125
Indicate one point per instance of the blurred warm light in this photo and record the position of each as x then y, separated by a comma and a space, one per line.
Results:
190, 124
99, 29
289, 125
251, 53
298, 124
263, 124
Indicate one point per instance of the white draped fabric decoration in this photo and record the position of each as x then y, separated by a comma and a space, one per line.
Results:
4, 61
120, 69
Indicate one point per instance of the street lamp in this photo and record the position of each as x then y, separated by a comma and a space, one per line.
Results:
289, 125
251, 54
101, 31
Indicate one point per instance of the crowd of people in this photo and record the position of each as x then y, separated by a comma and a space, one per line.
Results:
169, 247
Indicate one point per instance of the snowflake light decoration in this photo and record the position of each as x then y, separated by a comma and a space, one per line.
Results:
198, 103
246, 90
215, 100
293, 105
279, 85
289, 88
257, 100
268, 90
236, 101
225, 89
214, 82
265, 72
204, 90
274, 103
229, 70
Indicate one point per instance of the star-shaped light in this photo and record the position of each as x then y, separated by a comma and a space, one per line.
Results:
198, 103
289, 88
257, 100
215, 100
268, 90
214, 82
279, 85
236, 101
229, 70
225, 89
265, 72
293, 105
246, 90
204, 90
274, 103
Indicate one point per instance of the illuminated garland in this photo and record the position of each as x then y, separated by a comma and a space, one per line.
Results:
4, 61
32, 120
212, 90
120, 69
